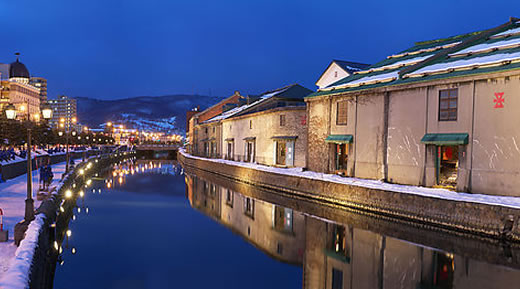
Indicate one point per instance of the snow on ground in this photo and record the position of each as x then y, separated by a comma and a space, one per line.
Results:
510, 202
18, 274
12, 201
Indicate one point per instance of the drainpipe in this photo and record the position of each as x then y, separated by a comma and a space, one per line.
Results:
329, 124
423, 179
355, 137
470, 178
384, 148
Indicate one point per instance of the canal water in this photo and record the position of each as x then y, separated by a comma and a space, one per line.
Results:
151, 224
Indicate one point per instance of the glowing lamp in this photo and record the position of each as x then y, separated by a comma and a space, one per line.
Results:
10, 111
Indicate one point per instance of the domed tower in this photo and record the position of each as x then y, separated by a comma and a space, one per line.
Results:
18, 72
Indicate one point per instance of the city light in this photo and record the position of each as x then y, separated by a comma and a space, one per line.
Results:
68, 194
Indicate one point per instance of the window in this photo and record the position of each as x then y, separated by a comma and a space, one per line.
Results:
283, 219
335, 74
448, 99
341, 112
249, 207
282, 120
206, 130
214, 129
337, 279
250, 124
229, 198
339, 242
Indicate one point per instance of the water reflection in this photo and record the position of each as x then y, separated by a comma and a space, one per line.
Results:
345, 251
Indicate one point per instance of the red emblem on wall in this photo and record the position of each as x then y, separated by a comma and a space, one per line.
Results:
304, 120
499, 100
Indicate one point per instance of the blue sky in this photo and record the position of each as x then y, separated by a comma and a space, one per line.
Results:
113, 49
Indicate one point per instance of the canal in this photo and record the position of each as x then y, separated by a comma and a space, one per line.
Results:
153, 224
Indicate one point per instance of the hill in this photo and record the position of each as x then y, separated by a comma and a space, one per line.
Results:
164, 113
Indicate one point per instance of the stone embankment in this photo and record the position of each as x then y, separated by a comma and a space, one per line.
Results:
15, 169
488, 220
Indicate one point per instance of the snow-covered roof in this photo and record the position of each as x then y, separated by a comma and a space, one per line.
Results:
284, 92
494, 49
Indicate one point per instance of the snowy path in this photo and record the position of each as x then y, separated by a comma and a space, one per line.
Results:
12, 202
510, 202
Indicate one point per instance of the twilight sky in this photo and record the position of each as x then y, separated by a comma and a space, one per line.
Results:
112, 49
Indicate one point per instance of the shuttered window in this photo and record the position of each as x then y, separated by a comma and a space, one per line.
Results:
448, 102
282, 120
341, 112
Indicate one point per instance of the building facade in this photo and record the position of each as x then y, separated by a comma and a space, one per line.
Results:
64, 114
267, 129
441, 113
17, 90
196, 134
41, 84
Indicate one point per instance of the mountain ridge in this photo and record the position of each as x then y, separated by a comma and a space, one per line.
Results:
165, 113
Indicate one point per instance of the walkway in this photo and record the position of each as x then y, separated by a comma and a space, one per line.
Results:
12, 202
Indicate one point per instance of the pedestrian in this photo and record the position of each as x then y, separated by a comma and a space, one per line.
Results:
42, 177
1, 175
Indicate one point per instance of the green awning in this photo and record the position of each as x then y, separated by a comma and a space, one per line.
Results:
446, 139
339, 138
284, 137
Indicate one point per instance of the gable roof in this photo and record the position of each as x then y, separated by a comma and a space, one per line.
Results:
290, 92
348, 66
486, 51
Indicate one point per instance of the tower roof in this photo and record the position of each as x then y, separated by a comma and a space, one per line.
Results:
18, 69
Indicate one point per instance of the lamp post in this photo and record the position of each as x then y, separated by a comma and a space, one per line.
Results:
10, 113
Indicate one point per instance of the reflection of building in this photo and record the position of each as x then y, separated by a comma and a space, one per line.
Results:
16, 89
275, 230
63, 108
339, 256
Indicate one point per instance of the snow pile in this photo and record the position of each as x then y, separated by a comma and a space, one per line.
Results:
18, 274
12, 196
510, 202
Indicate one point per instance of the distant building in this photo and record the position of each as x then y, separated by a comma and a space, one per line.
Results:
195, 117
337, 70
268, 129
63, 108
16, 89
40, 83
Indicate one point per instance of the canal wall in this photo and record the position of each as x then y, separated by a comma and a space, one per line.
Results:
15, 169
487, 220
36, 258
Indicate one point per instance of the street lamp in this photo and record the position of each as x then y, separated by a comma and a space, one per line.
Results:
10, 113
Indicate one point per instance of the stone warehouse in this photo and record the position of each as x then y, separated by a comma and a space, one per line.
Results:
268, 129
441, 113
